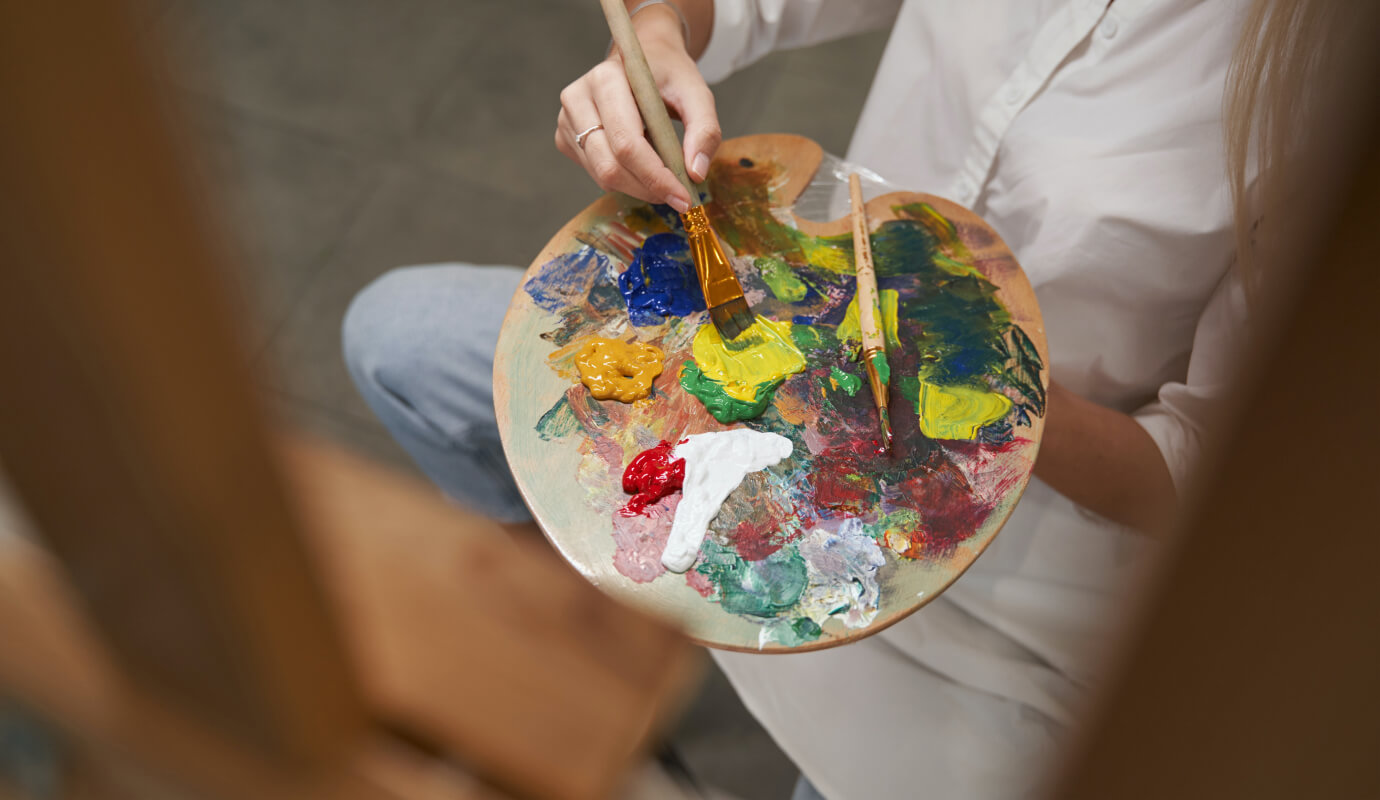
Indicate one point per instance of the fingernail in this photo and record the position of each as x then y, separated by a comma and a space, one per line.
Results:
678, 204
701, 166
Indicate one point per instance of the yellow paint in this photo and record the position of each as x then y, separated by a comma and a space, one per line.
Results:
614, 370
820, 252
850, 330
764, 353
958, 412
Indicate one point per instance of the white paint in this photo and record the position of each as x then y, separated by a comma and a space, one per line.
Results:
841, 584
715, 464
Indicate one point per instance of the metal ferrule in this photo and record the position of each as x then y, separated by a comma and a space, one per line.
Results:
717, 280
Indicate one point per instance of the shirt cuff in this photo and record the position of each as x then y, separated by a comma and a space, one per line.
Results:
1177, 443
727, 40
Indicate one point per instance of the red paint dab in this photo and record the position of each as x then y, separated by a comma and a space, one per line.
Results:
650, 476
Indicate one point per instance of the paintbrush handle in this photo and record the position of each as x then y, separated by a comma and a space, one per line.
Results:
649, 102
867, 273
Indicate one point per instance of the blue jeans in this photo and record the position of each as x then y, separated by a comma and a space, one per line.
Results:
419, 343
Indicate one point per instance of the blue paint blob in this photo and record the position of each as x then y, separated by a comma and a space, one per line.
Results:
566, 280
661, 281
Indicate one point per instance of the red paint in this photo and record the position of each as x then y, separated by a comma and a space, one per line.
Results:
650, 476
949, 509
754, 542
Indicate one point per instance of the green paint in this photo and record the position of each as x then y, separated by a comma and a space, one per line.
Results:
801, 630
717, 402
781, 279
883, 368
846, 381
758, 588
557, 423
814, 337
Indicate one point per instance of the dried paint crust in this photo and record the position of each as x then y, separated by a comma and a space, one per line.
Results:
809, 542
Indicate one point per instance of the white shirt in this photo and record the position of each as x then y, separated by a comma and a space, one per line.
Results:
1089, 136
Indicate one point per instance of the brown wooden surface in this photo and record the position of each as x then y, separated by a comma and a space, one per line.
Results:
480, 645
525, 387
130, 427
483, 650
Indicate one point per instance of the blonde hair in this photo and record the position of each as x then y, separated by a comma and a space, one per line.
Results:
1282, 75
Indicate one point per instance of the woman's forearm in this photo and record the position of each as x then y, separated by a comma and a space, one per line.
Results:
1104, 461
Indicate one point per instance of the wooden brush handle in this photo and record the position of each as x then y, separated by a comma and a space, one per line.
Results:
867, 274
654, 114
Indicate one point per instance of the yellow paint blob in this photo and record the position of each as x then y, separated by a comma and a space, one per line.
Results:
614, 370
764, 353
850, 329
958, 412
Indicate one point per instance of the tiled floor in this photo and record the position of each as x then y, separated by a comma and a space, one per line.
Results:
345, 137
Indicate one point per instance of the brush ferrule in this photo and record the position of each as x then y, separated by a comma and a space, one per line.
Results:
717, 280
879, 387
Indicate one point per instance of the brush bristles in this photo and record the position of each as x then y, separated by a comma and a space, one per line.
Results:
732, 318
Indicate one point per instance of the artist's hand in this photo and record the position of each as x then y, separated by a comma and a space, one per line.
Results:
619, 157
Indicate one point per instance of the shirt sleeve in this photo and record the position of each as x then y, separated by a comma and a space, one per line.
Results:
1184, 411
746, 30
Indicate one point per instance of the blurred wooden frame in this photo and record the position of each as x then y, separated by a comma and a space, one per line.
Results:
238, 613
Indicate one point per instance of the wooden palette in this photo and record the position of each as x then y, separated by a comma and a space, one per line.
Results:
837, 542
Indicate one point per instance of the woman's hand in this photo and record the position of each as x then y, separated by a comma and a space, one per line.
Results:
618, 156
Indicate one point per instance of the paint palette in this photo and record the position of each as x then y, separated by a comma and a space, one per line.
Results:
839, 540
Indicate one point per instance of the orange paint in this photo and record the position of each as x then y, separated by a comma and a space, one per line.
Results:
614, 370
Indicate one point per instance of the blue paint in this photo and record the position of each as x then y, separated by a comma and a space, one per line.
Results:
565, 280
661, 281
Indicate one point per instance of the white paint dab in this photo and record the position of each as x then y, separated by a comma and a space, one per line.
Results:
715, 464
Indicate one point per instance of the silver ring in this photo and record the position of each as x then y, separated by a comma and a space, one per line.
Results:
580, 137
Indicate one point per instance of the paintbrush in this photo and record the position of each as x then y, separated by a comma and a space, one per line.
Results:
869, 313
722, 293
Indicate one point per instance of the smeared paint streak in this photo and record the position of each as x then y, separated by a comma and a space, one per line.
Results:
788, 632
558, 422
639, 539
715, 463
841, 579
763, 354
850, 329
661, 281
782, 281
565, 280
716, 401
763, 588
958, 412
883, 368
614, 370
650, 476
846, 381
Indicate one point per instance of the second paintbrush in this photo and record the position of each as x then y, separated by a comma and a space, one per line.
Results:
869, 312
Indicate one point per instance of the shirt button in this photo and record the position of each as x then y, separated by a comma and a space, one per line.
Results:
963, 189
1108, 28
1012, 95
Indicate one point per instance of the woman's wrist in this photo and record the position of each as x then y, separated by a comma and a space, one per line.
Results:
658, 29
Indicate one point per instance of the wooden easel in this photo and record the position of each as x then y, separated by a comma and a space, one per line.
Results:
220, 609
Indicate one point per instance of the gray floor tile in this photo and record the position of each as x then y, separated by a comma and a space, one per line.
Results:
284, 199
494, 122
361, 70
414, 216
723, 745
819, 92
